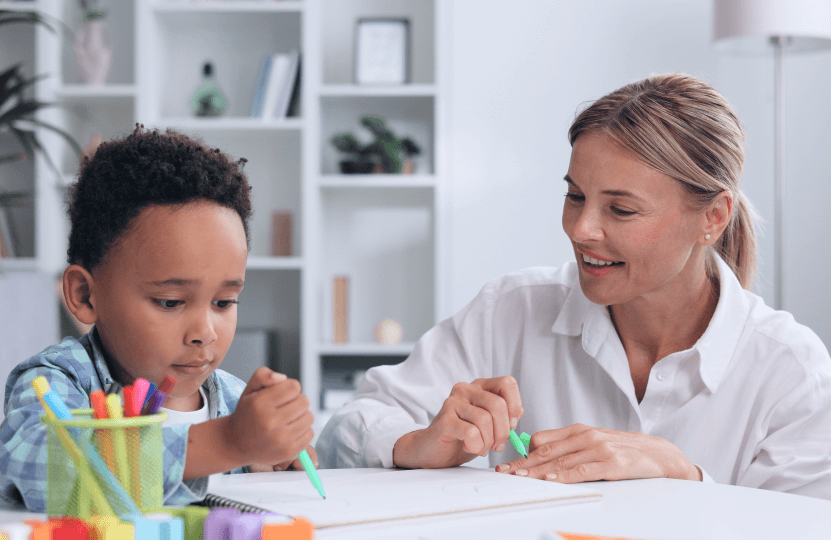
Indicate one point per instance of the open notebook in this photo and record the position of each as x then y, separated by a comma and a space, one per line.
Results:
389, 494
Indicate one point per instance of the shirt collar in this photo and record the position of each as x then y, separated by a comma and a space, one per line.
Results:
99, 361
715, 347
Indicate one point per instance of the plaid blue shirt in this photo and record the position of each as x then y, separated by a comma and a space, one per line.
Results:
74, 373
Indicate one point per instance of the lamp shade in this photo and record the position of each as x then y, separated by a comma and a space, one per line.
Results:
746, 26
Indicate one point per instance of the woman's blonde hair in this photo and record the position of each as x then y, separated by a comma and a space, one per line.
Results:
684, 128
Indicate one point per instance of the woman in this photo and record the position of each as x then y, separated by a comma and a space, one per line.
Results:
646, 358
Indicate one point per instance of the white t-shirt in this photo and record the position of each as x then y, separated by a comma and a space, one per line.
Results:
175, 418
750, 403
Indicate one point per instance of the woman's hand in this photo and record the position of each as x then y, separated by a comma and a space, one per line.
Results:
579, 453
476, 418
294, 464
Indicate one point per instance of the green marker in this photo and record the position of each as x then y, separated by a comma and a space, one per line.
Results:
309, 467
518, 444
525, 438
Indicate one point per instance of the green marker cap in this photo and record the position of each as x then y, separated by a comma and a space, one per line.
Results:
518, 444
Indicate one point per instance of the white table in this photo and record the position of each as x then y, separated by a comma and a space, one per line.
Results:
641, 509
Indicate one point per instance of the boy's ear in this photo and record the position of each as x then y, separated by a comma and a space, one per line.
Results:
77, 293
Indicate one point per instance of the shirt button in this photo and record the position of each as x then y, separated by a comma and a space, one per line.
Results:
662, 376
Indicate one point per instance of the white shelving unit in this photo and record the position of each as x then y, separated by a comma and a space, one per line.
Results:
384, 231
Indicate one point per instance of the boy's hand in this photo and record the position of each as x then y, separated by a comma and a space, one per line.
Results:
475, 419
294, 464
272, 422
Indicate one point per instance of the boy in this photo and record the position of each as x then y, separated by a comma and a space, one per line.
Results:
157, 252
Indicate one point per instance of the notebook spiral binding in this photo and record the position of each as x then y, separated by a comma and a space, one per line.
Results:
215, 501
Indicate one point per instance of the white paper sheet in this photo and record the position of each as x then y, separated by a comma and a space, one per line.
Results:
399, 494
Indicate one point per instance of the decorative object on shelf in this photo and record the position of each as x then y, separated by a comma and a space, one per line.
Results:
281, 233
340, 308
382, 51
93, 45
7, 238
388, 332
208, 100
383, 155
774, 27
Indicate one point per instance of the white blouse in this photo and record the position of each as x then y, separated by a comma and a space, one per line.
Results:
750, 403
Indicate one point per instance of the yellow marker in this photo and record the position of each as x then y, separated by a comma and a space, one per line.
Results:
110, 528
119, 441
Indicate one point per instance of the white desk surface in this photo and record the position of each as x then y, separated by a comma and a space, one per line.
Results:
639, 509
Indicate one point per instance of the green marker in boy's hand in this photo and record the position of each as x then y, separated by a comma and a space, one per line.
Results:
309, 467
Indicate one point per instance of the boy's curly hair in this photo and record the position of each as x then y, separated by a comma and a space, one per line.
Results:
143, 169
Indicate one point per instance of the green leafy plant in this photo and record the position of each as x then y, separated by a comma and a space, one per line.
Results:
385, 150
92, 10
18, 107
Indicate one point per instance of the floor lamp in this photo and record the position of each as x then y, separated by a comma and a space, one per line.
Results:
773, 27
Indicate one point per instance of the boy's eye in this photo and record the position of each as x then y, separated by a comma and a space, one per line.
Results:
225, 304
167, 304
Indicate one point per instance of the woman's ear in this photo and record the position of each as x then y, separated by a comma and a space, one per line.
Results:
716, 218
77, 293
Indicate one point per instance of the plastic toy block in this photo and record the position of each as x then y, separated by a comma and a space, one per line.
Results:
170, 527
15, 531
299, 529
69, 528
41, 530
217, 525
193, 518
110, 528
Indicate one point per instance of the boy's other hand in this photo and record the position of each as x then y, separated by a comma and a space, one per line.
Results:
294, 464
272, 422
477, 417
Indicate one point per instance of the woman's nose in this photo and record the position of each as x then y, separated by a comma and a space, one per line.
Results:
588, 226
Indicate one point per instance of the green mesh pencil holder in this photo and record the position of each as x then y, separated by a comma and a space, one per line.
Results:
131, 450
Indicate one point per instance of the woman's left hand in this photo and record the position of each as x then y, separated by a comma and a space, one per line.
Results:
579, 453
294, 464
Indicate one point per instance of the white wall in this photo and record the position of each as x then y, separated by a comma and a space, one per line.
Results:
521, 70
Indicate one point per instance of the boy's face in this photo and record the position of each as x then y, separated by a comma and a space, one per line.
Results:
165, 296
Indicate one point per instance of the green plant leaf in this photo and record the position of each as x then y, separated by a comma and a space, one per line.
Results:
69, 139
12, 198
31, 17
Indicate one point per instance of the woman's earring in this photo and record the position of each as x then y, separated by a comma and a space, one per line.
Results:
706, 237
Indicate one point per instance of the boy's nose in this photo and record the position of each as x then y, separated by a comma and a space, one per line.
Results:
201, 330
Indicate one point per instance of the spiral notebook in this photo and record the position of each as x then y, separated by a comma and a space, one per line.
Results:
388, 494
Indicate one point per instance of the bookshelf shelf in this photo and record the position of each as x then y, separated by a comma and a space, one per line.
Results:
232, 124
80, 91
18, 264
387, 181
274, 263
31, 5
353, 90
365, 349
252, 6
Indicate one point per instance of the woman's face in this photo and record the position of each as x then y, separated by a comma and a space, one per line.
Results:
632, 232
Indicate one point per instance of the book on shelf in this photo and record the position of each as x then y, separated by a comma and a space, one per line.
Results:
259, 93
276, 86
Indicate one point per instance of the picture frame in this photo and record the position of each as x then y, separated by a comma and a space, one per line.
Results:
382, 51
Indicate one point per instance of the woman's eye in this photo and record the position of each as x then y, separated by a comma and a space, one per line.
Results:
575, 197
621, 212
168, 304
225, 304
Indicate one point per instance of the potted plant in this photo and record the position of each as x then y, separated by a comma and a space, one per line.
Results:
19, 107
386, 153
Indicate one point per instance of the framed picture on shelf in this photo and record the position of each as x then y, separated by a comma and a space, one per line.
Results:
382, 51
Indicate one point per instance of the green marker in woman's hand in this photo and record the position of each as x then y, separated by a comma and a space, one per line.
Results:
515, 440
